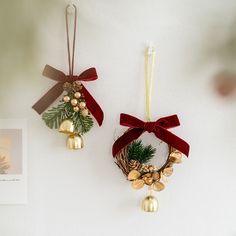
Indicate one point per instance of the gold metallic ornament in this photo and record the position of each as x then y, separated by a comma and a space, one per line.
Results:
176, 157
133, 174
168, 171
74, 102
82, 105
155, 175
66, 98
67, 127
138, 183
84, 112
76, 109
158, 186
163, 178
77, 95
148, 180
150, 204
75, 142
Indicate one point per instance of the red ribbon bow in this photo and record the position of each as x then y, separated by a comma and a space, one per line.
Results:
88, 75
159, 128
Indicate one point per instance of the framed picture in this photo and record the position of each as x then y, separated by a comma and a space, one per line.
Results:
13, 161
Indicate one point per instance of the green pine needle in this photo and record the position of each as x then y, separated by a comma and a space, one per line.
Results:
82, 124
137, 151
56, 115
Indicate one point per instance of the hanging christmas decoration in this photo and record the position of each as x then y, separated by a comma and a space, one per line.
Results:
73, 115
134, 158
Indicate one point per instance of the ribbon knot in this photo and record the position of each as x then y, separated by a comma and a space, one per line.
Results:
71, 78
159, 128
150, 126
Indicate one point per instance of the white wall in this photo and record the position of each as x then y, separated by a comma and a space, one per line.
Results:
83, 192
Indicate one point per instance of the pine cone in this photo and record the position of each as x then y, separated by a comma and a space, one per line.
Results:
148, 168
77, 85
144, 168
134, 165
67, 86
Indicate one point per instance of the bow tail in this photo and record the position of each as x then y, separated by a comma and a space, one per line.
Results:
93, 106
126, 139
173, 140
44, 102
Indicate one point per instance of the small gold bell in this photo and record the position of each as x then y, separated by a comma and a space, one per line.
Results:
67, 127
75, 141
150, 204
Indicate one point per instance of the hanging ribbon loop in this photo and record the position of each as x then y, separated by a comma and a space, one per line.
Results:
71, 60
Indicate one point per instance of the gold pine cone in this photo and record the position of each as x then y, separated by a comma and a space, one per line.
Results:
67, 86
77, 85
134, 165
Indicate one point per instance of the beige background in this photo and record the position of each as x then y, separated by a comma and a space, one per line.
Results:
83, 193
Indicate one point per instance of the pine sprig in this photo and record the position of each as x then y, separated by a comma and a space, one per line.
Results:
82, 124
56, 115
137, 151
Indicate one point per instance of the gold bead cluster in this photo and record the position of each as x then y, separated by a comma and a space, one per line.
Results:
75, 97
150, 175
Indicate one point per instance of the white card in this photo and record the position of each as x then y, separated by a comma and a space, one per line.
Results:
13, 161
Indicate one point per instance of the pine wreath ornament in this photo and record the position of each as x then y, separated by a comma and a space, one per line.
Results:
134, 158
73, 115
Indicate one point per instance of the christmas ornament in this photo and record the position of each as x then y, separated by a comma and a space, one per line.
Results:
134, 158
73, 114
150, 204
75, 142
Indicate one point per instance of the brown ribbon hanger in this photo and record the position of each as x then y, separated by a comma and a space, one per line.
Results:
71, 60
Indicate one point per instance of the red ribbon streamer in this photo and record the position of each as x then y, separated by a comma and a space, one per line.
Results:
159, 128
88, 75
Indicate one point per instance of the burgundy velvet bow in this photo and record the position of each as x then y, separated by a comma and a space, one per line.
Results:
159, 128
88, 75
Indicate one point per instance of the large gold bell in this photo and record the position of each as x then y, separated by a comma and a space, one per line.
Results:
67, 127
75, 141
150, 204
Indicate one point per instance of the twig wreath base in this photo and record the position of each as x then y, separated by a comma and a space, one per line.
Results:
141, 174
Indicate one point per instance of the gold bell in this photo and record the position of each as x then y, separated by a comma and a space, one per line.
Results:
67, 127
150, 204
75, 141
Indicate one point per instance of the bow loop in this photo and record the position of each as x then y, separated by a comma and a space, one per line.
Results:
169, 121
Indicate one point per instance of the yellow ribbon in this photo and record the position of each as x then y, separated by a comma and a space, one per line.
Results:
149, 74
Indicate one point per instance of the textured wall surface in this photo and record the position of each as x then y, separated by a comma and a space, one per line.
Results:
83, 192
